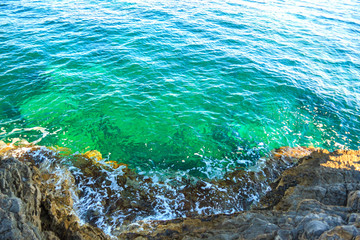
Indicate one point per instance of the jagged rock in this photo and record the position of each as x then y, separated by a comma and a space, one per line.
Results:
344, 232
353, 201
13, 223
140, 197
32, 206
20, 201
354, 219
314, 229
322, 176
316, 199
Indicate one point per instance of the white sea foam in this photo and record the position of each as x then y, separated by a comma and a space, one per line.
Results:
99, 195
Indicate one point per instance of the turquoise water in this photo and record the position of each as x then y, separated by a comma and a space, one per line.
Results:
181, 85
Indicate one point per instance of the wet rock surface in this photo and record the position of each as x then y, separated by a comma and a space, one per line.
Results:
314, 195
316, 199
34, 206
127, 197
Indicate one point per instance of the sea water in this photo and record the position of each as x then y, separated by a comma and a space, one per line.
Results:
191, 87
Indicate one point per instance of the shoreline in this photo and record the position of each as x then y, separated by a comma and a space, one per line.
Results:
286, 173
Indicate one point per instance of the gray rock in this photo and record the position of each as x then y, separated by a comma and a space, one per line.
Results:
16, 205
284, 235
353, 201
308, 201
314, 229
23, 214
345, 232
354, 218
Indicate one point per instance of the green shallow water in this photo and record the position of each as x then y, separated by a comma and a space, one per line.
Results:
182, 85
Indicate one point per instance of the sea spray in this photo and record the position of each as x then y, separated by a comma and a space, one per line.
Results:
112, 196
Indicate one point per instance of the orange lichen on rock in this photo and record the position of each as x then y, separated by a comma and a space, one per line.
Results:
4, 147
343, 159
293, 152
116, 165
93, 154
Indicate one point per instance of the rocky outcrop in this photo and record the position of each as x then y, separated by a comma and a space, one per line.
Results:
317, 199
314, 194
38, 204
125, 193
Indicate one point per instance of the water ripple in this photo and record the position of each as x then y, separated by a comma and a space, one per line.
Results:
182, 77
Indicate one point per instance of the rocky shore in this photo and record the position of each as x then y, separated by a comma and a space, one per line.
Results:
31, 207
315, 194
319, 198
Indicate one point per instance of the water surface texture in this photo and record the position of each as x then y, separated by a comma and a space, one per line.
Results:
193, 86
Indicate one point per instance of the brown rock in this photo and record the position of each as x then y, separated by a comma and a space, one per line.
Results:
318, 198
32, 206
344, 232
353, 201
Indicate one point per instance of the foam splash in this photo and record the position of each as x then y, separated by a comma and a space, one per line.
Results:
22, 134
114, 197
47, 161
